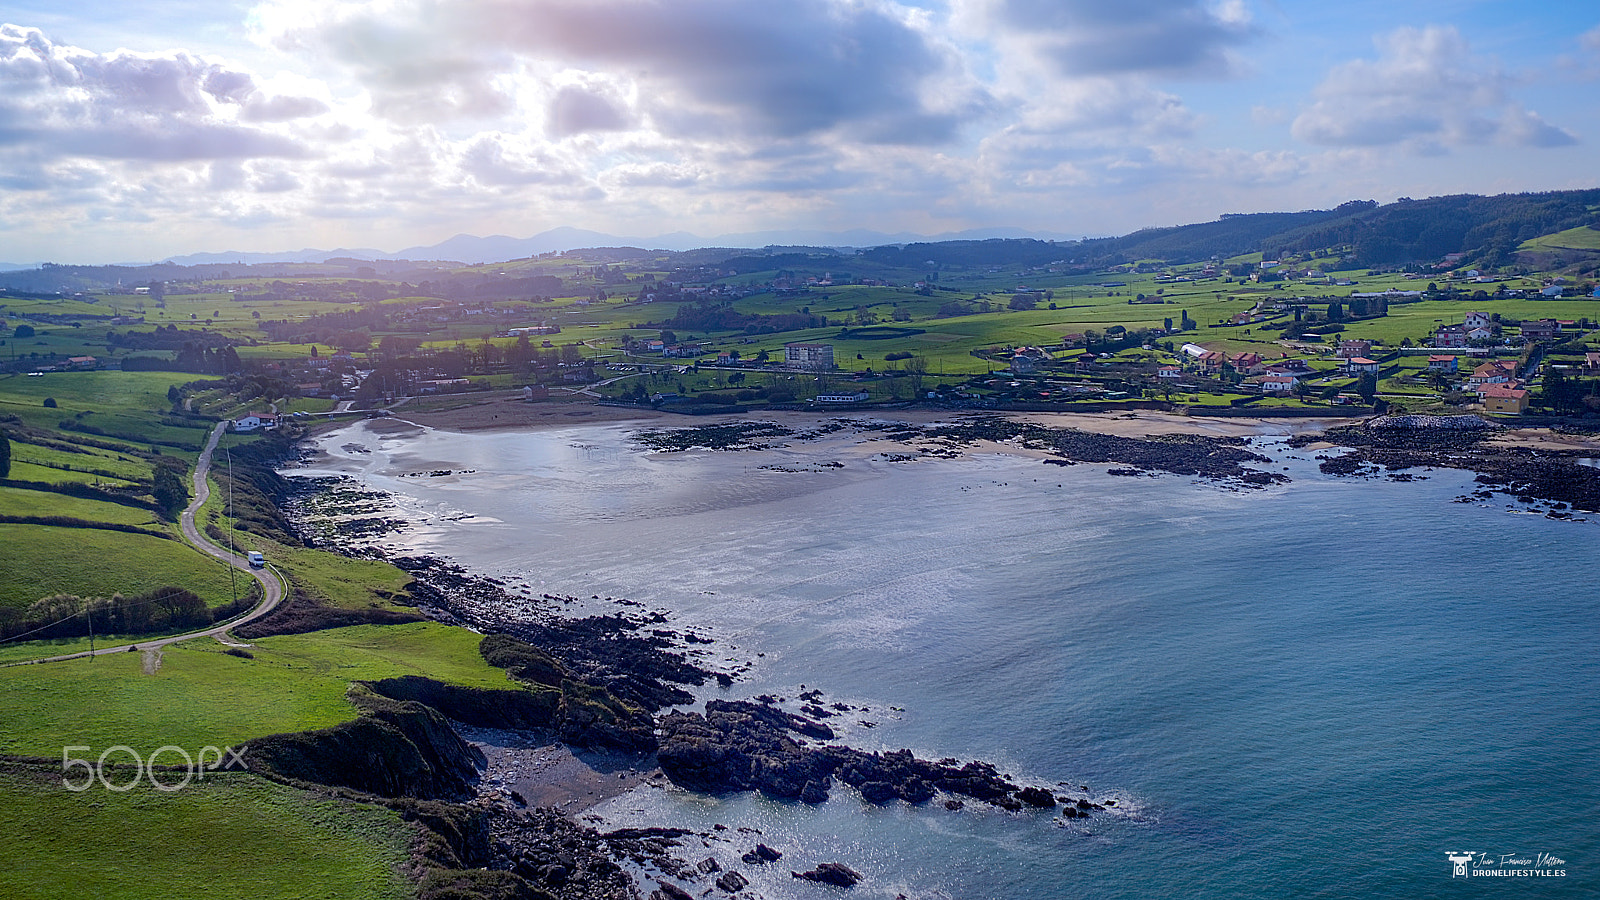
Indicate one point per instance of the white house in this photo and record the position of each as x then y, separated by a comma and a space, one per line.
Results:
253, 421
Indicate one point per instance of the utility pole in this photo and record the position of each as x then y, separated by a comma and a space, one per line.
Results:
233, 583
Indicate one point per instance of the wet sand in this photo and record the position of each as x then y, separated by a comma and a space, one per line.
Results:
547, 773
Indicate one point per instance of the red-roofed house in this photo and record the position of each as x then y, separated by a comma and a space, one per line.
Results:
1500, 371
1360, 365
1442, 363
1499, 398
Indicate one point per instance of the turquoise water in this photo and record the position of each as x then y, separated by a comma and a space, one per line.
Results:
1316, 690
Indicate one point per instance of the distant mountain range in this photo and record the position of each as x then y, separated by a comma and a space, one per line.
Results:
1485, 231
467, 248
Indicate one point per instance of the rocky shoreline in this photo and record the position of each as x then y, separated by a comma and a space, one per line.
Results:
596, 684
1395, 445
1223, 459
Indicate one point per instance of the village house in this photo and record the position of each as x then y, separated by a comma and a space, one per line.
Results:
1360, 365
1212, 361
1500, 371
1591, 362
81, 362
1276, 384
1296, 367
1541, 330
1170, 371
1498, 398
1450, 336
1476, 319
1441, 363
856, 397
1351, 348
254, 421
1245, 362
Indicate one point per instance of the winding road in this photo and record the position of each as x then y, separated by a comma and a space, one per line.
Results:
272, 584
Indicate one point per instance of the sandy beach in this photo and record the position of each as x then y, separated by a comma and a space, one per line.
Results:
507, 409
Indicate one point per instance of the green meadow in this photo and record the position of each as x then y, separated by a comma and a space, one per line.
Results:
226, 836
201, 696
39, 561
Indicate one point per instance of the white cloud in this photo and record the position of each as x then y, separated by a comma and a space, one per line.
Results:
57, 100
1427, 91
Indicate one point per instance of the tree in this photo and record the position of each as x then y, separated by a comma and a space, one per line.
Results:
49, 403
1367, 386
24, 331
5, 455
168, 489
917, 367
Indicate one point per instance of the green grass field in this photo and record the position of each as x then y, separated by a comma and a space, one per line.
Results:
201, 696
39, 561
230, 836
1580, 238
23, 502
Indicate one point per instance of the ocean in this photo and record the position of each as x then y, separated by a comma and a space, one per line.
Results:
1324, 688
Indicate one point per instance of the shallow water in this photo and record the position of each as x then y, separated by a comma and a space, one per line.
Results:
1319, 689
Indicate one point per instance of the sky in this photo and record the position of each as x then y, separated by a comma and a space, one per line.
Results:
135, 131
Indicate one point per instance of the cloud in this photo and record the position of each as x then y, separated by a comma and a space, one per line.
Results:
262, 108
1427, 91
1168, 38
777, 69
580, 110
57, 100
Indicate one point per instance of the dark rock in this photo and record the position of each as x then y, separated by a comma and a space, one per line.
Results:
953, 805
878, 791
761, 854
1037, 797
708, 865
836, 874
673, 892
732, 882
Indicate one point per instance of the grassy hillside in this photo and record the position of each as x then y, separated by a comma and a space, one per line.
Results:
201, 696
231, 836
39, 561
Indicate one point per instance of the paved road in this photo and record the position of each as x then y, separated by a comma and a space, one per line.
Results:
271, 581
